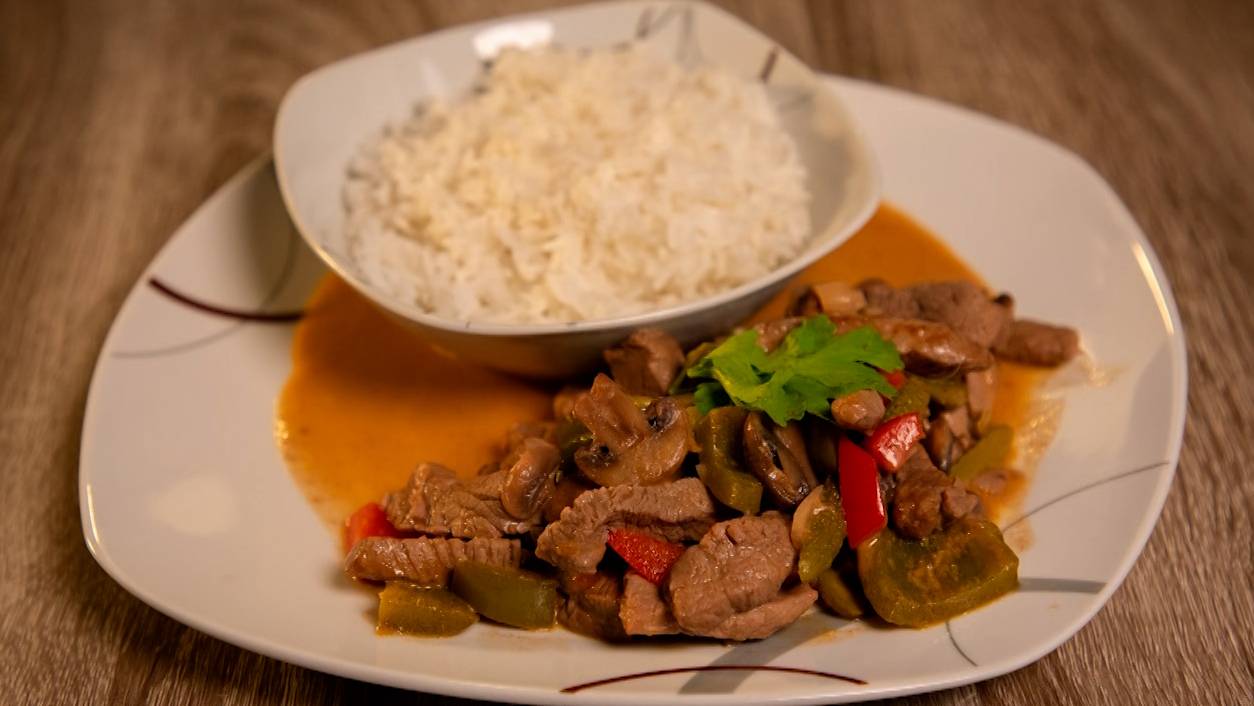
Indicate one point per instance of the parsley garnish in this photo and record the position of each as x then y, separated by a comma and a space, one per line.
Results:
812, 366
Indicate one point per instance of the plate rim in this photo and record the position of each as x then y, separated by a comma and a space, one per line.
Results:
1154, 275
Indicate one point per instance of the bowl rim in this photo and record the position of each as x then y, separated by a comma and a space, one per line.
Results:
816, 249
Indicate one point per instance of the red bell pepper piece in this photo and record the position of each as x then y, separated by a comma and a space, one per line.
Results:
891, 442
368, 521
647, 555
860, 496
896, 378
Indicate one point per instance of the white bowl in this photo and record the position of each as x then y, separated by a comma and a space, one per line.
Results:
329, 114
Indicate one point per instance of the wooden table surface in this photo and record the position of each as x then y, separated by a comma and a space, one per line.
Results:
118, 117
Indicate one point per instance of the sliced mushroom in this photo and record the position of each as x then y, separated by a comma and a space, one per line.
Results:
777, 456
630, 446
949, 437
522, 431
861, 411
981, 391
530, 477
831, 298
821, 439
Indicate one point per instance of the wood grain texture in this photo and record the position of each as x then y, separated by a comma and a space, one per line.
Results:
118, 117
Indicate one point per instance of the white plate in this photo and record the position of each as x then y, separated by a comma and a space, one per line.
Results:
186, 501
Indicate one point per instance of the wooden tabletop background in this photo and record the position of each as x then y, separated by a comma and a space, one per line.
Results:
118, 117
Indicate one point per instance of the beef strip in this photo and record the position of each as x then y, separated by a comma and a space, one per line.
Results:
425, 560
1037, 343
967, 309
925, 497
591, 605
671, 511
642, 610
436, 501
926, 347
883, 299
861, 411
646, 363
962, 306
769, 618
721, 587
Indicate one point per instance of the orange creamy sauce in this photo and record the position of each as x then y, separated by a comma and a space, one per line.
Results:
367, 400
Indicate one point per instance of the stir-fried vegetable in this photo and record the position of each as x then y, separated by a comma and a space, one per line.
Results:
507, 595
840, 594
860, 495
913, 397
813, 365
946, 392
419, 610
719, 434
989, 452
369, 520
647, 555
892, 441
818, 531
918, 583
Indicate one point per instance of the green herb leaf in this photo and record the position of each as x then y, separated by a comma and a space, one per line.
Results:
812, 366
708, 396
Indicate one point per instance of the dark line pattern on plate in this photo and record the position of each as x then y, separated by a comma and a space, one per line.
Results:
710, 668
1040, 584
285, 274
258, 316
760, 652
949, 631
647, 24
768, 66
1081, 489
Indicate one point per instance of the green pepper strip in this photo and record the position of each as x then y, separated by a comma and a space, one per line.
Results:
827, 533
839, 595
421, 610
919, 583
949, 393
507, 595
912, 397
989, 452
718, 433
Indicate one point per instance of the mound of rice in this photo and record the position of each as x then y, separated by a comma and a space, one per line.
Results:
578, 186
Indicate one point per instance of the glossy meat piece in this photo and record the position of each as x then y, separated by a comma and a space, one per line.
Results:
769, 618
966, 308
672, 511
425, 560
925, 498
436, 501
642, 610
738, 566
861, 411
1037, 343
926, 347
591, 605
963, 306
646, 363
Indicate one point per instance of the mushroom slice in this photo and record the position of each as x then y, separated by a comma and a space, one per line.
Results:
530, 477
630, 446
831, 298
777, 456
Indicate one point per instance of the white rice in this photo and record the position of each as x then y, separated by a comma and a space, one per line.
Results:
578, 186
